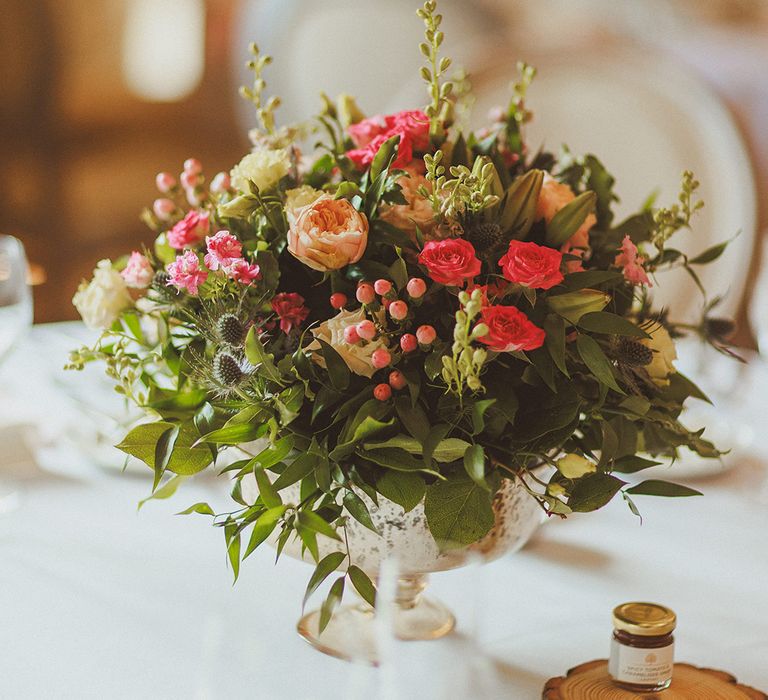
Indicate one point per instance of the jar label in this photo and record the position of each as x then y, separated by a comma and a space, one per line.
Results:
632, 665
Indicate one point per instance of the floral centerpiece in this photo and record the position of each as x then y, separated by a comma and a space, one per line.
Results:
407, 311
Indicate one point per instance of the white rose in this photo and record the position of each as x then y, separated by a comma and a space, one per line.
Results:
101, 300
299, 197
357, 356
264, 167
664, 354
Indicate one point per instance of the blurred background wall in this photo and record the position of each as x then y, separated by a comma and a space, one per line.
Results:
98, 95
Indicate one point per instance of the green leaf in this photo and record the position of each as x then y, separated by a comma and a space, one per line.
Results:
446, 450
234, 434
338, 371
384, 157
404, 488
474, 465
232, 537
259, 358
166, 490
710, 254
593, 492
657, 487
185, 459
413, 418
302, 466
612, 324
200, 508
325, 567
363, 584
263, 527
589, 278
458, 512
555, 341
331, 603
367, 428
632, 463
478, 415
358, 510
597, 362
399, 273
163, 451
397, 459
314, 522
267, 491
436, 436
568, 220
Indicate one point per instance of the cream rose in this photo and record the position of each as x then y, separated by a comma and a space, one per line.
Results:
664, 354
328, 234
263, 166
299, 197
358, 355
418, 210
101, 300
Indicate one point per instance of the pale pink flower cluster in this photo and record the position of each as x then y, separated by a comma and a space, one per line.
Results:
138, 272
632, 263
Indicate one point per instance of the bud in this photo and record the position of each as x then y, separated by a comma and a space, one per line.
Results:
349, 112
573, 305
238, 208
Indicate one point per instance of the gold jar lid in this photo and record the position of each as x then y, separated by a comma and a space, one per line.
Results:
644, 619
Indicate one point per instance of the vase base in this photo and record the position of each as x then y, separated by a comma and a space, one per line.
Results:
353, 633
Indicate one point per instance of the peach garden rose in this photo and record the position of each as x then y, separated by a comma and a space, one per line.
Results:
328, 234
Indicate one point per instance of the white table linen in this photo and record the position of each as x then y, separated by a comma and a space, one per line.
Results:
98, 600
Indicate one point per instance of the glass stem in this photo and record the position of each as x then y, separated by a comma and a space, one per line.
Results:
409, 590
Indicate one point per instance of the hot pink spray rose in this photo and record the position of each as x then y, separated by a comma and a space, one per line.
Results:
290, 309
510, 330
186, 273
191, 230
531, 265
369, 134
451, 261
223, 250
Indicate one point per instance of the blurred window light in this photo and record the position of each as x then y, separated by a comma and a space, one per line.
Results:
163, 48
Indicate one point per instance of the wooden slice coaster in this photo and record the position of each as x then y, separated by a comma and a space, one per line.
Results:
590, 681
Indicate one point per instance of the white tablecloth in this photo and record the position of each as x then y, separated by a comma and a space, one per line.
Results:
98, 600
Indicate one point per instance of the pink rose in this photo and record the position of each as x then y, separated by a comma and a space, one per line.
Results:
510, 330
186, 273
411, 125
363, 132
242, 271
223, 250
190, 230
553, 197
632, 263
138, 273
451, 261
328, 234
531, 265
290, 309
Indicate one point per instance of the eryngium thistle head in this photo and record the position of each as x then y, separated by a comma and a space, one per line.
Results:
631, 352
227, 370
230, 330
485, 237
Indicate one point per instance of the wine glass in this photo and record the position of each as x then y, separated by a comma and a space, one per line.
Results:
15, 319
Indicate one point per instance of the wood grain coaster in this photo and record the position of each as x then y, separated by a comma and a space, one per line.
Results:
590, 681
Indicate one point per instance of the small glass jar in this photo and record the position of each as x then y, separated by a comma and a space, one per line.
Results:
642, 648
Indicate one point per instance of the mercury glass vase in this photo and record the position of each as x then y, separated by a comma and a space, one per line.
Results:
406, 540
